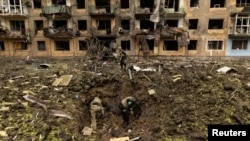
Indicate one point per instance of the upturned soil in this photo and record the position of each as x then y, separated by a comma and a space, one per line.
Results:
189, 95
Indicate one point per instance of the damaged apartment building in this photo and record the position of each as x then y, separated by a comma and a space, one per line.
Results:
198, 28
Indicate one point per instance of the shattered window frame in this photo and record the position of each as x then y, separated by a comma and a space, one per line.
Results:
192, 45
20, 46
193, 23
80, 4
37, 4
83, 46
214, 44
124, 4
103, 24
217, 3
239, 44
215, 24
194, 3
125, 24
242, 3
170, 48
62, 45
41, 46
171, 22
17, 25
126, 45
2, 47
82, 24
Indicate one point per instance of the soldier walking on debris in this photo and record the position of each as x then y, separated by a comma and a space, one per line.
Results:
123, 57
95, 106
128, 105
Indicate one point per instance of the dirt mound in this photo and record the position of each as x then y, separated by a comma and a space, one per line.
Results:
189, 95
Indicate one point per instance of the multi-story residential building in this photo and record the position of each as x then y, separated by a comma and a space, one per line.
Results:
158, 27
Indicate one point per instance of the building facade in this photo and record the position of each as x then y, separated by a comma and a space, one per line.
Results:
54, 28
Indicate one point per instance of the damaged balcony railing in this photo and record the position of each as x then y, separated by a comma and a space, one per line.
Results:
5, 33
60, 32
56, 10
101, 10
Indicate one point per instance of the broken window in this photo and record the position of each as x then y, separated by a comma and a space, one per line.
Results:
193, 23
147, 4
82, 25
242, 3
192, 45
38, 25
215, 24
146, 24
2, 46
103, 24
61, 2
103, 4
62, 45
125, 24
242, 24
172, 4
60, 23
14, 2
83, 45
170, 45
20, 45
41, 45
217, 3
214, 45
124, 4
125, 45
151, 44
194, 3
37, 4
171, 23
80, 4
17, 25
239, 44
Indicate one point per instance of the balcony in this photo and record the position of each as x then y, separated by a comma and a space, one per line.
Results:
13, 11
142, 13
56, 11
60, 32
13, 35
171, 13
107, 11
239, 32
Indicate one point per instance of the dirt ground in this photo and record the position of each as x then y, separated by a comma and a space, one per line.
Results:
189, 95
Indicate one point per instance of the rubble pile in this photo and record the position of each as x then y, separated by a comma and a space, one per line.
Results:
178, 97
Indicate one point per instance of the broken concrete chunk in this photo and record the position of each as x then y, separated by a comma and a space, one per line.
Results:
63, 80
226, 70
120, 139
87, 131
4, 108
3, 134
151, 92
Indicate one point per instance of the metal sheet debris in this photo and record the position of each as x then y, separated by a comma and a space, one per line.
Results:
226, 70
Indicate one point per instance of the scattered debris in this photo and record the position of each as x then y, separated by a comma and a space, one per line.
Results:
63, 80
176, 78
59, 113
151, 92
5, 109
226, 70
120, 139
3, 134
86, 131
36, 100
